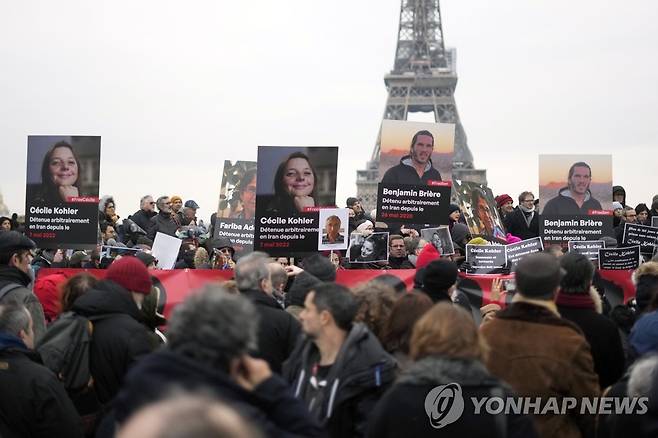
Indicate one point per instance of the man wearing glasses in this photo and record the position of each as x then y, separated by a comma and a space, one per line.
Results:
146, 211
523, 221
397, 253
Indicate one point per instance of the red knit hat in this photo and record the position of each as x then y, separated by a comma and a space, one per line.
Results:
131, 274
427, 254
503, 199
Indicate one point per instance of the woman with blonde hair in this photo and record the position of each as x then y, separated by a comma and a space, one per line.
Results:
447, 373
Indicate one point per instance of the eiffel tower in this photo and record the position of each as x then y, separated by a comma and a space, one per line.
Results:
423, 79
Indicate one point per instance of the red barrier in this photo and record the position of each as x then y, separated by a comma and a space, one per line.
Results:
176, 284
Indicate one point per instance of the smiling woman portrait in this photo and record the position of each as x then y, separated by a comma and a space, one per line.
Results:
294, 185
60, 171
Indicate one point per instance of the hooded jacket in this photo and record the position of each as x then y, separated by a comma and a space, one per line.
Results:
619, 189
360, 375
564, 204
405, 173
401, 411
119, 339
33, 402
271, 405
23, 295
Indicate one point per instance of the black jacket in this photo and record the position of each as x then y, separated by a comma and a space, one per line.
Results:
118, 340
516, 224
143, 219
24, 296
603, 337
360, 375
564, 204
270, 406
400, 263
402, 413
33, 403
163, 223
278, 330
405, 173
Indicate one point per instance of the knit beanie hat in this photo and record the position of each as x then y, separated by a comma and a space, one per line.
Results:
503, 199
617, 205
175, 198
478, 241
427, 254
439, 276
452, 208
320, 267
131, 274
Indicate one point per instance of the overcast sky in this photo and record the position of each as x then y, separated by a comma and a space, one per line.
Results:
175, 88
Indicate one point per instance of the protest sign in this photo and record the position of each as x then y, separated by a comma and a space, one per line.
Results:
61, 202
485, 259
440, 238
619, 258
293, 184
643, 235
654, 221
588, 248
413, 204
477, 203
237, 206
576, 197
333, 229
165, 249
516, 251
368, 248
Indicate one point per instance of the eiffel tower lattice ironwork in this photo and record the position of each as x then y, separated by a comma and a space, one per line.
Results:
423, 79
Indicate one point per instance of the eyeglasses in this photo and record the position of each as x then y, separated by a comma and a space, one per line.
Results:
397, 246
528, 200
152, 203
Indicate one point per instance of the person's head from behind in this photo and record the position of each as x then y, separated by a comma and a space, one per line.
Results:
406, 311
397, 247
246, 190
332, 225
295, 177
328, 308
15, 320
164, 204
146, 203
75, 287
375, 302
538, 276
16, 250
320, 267
448, 331
580, 176
391, 280
252, 273
131, 274
183, 415
214, 328
578, 273
278, 276
422, 145
60, 167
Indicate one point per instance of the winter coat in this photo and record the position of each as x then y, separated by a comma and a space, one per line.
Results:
278, 330
163, 223
24, 296
405, 173
119, 339
542, 355
143, 219
604, 340
516, 224
361, 374
33, 402
399, 263
564, 204
270, 406
401, 411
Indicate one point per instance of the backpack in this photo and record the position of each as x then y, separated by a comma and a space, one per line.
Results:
64, 349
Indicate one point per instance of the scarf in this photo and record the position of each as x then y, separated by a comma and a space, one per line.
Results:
528, 213
578, 301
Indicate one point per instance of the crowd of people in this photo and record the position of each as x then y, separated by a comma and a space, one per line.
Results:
281, 349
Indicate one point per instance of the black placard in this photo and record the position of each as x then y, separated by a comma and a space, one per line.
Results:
654, 221
619, 258
239, 231
643, 235
485, 259
516, 251
588, 248
562, 229
413, 204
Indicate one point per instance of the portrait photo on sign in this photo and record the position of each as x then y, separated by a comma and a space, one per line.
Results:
477, 203
440, 238
368, 248
416, 153
575, 184
62, 169
294, 180
333, 229
237, 194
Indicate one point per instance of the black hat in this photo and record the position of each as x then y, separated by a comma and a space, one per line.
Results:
351, 201
452, 208
13, 240
146, 258
221, 242
439, 275
192, 204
